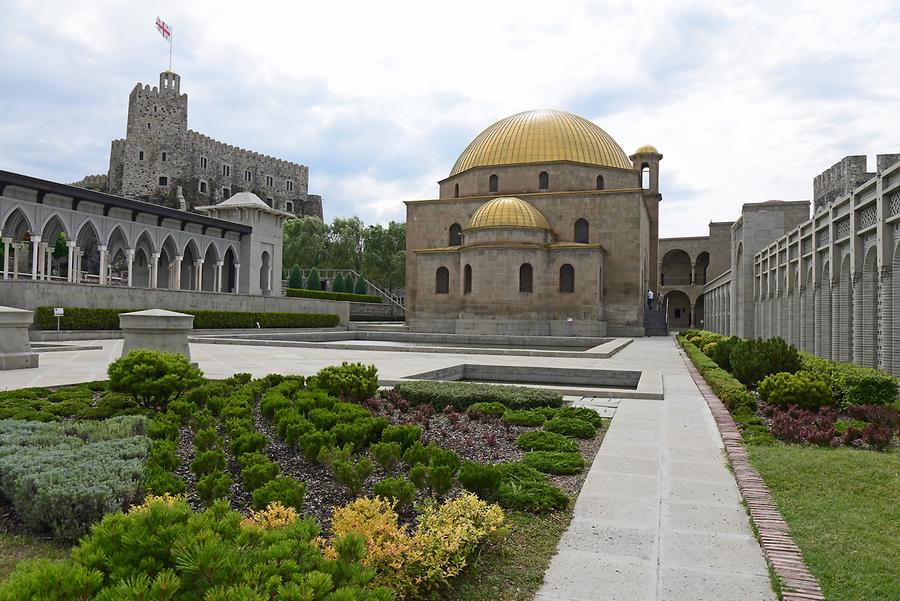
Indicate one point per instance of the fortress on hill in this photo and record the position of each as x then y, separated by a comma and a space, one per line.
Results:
161, 161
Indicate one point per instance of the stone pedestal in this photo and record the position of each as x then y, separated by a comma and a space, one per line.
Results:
15, 347
157, 330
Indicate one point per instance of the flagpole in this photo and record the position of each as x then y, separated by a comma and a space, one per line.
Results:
171, 41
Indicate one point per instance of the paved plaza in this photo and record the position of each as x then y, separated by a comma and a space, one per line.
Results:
659, 516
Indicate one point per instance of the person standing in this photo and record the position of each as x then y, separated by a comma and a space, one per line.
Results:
649, 299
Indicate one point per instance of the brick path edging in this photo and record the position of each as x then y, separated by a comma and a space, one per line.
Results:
798, 584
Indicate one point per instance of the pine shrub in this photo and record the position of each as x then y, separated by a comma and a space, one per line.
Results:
153, 378
282, 489
483, 480
546, 441
753, 360
533, 497
212, 486
256, 475
338, 284
312, 280
550, 462
401, 490
351, 381
387, 454
570, 426
802, 389
495, 409
207, 462
524, 417
406, 435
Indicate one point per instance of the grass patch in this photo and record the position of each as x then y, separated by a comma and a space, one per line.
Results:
512, 570
842, 510
15, 548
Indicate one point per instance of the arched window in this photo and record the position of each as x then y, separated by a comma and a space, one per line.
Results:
526, 278
442, 281
567, 279
455, 235
467, 279
582, 231
544, 181
645, 176
600, 182
455, 190
494, 183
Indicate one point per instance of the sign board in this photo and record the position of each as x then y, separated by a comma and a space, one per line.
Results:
58, 312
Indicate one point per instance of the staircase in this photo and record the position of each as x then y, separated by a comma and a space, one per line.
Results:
655, 323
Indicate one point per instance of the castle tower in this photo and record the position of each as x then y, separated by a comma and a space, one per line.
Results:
646, 158
146, 162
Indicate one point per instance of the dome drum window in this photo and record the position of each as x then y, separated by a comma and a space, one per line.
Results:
493, 183
526, 278
543, 181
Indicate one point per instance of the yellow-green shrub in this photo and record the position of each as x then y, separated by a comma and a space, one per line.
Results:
417, 565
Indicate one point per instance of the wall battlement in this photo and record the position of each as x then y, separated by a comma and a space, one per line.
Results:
206, 142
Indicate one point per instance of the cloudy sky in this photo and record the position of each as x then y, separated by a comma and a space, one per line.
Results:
746, 100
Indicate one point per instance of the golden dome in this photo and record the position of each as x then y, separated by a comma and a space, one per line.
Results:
507, 211
647, 149
542, 136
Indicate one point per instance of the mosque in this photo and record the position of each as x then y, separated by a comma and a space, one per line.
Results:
544, 226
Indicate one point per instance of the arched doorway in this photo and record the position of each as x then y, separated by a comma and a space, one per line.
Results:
843, 314
209, 268
699, 312
678, 309
17, 231
265, 273
229, 275
189, 266
88, 245
868, 324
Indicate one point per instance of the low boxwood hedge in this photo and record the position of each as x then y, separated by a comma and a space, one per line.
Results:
77, 318
551, 462
734, 395
462, 395
852, 384
339, 296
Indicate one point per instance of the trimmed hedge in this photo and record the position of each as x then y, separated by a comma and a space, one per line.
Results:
462, 395
734, 395
77, 318
338, 296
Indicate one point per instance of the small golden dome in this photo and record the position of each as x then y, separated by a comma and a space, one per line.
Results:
507, 211
647, 149
542, 136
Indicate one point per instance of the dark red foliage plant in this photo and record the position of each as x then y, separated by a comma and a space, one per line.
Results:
878, 436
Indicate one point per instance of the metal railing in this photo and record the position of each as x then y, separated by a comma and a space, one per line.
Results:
330, 274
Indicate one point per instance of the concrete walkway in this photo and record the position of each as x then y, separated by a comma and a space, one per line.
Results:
660, 515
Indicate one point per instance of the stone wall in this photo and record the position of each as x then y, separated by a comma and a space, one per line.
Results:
29, 295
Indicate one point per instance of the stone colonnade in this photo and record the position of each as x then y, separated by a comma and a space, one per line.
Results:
830, 286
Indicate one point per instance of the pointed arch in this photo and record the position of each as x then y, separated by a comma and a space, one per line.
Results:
17, 225
843, 313
823, 313
229, 269
868, 306
52, 227
189, 254
210, 258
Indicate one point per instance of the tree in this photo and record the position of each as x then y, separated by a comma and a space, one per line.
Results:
296, 278
361, 287
346, 250
305, 242
385, 254
312, 280
338, 284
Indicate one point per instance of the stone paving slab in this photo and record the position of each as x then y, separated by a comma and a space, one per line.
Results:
659, 515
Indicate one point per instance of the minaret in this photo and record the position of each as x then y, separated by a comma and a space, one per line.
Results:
646, 158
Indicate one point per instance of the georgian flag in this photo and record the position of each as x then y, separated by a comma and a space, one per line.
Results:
164, 29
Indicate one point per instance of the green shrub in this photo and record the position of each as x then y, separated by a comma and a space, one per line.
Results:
352, 381
570, 426
153, 378
338, 284
162, 454
440, 456
159, 482
203, 420
541, 440
356, 432
212, 486
284, 490
312, 281
519, 472
406, 435
721, 353
583, 413
108, 319
258, 474
461, 395
802, 389
733, 394
417, 453
400, 489
476, 410
295, 279
550, 462
207, 462
387, 454
312, 442
322, 419
206, 439
338, 296
483, 480
524, 417
852, 384
164, 426
753, 360
62, 477
249, 442
534, 497
436, 478
351, 475
360, 288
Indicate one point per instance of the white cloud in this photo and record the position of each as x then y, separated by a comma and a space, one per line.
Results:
746, 100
